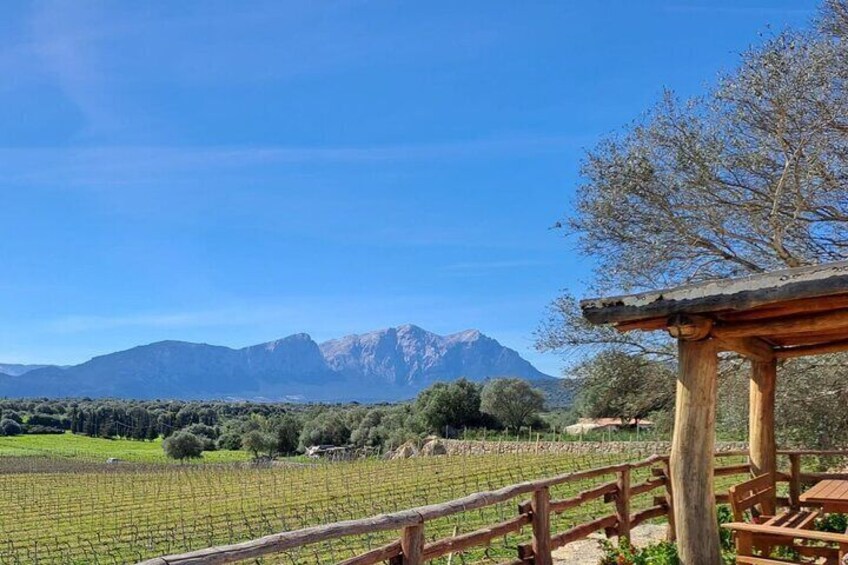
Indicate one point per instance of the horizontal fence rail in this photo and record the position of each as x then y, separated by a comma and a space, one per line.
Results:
412, 549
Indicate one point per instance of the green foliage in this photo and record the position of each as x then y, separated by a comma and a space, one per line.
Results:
183, 445
258, 443
229, 441
329, 427
662, 553
286, 429
450, 405
615, 384
9, 427
725, 516
834, 523
513, 402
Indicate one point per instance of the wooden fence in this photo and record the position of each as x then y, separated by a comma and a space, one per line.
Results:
412, 549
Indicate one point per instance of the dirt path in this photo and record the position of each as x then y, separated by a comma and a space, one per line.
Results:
588, 551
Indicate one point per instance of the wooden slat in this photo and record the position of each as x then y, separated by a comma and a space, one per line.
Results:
789, 308
658, 511
647, 486
583, 530
802, 323
560, 506
751, 347
819, 349
476, 538
375, 556
743, 469
813, 535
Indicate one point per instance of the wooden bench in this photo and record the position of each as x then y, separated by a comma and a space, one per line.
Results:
835, 552
758, 497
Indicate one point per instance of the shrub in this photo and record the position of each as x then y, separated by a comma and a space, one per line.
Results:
49, 421
662, 553
41, 430
450, 405
258, 443
327, 428
286, 430
183, 445
834, 523
206, 434
229, 441
9, 427
512, 401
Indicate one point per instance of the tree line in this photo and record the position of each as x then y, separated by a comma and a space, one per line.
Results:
271, 429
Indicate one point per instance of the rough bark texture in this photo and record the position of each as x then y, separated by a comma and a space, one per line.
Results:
692, 454
761, 421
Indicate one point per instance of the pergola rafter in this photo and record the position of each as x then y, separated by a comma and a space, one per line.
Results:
766, 318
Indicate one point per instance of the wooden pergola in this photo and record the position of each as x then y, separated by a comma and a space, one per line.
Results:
766, 318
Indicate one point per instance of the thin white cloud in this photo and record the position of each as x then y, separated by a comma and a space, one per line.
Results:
486, 267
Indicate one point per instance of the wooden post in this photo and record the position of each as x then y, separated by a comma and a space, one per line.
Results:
671, 531
795, 481
761, 443
692, 454
540, 506
412, 545
622, 504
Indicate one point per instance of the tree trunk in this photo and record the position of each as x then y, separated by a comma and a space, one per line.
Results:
692, 454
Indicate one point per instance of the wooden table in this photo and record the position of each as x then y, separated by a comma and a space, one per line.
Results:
831, 495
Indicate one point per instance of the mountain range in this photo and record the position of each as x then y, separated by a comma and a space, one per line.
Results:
385, 365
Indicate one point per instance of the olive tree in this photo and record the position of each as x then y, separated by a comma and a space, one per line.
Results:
752, 176
513, 402
183, 445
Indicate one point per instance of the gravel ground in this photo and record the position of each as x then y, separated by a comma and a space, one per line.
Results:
588, 551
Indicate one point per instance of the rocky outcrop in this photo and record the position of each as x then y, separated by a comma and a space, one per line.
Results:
405, 451
433, 447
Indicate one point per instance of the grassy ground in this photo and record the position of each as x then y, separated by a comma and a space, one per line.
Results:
97, 449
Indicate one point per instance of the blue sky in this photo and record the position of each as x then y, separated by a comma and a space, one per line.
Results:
236, 172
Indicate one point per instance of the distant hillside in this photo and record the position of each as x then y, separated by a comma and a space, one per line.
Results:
385, 365
14, 369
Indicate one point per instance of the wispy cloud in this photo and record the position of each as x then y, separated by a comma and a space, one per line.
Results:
125, 166
479, 268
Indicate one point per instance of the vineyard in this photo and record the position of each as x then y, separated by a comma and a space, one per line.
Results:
90, 513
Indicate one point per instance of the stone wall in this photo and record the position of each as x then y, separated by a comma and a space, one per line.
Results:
476, 447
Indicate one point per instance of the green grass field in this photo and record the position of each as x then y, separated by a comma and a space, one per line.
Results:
97, 449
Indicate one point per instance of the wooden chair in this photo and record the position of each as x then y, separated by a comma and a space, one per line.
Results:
834, 552
758, 497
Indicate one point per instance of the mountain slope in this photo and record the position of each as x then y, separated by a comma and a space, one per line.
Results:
16, 369
386, 365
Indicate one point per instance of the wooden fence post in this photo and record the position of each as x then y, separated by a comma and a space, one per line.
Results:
622, 504
412, 545
795, 480
671, 534
541, 527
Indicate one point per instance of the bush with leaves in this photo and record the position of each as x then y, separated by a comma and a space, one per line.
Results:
183, 445
258, 443
513, 402
9, 427
450, 405
329, 427
286, 430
